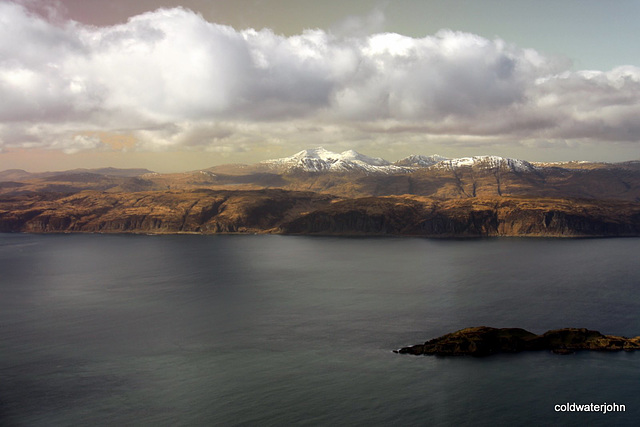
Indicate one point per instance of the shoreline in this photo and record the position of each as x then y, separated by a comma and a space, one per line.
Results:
337, 235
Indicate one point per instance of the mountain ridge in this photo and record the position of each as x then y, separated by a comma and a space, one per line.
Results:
320, 159
351, 174
320, 192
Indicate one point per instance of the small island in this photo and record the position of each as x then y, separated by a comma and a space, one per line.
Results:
484, 341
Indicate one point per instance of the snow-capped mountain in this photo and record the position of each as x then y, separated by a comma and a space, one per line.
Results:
487, 162
321, 160
420, 161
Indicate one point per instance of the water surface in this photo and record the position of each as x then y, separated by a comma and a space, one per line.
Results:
281, 330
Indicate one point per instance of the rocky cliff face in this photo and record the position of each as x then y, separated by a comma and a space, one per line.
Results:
471, 217
291, 212
156, 212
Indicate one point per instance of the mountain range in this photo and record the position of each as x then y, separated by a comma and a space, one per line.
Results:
321, 192
350, 174
322, 160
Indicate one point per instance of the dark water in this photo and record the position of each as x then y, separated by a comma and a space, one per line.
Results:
274, 330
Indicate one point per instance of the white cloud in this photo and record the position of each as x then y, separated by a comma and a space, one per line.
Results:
176, 81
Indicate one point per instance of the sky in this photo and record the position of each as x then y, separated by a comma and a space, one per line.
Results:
178, 85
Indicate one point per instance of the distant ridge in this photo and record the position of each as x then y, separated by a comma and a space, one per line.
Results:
131, 172
352, 174
20, 174
14, 175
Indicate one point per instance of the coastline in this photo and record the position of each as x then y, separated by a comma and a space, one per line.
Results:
305, 213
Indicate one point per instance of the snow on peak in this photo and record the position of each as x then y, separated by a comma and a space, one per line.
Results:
354, 156
487, 162
322, 160
313, 153
418, 160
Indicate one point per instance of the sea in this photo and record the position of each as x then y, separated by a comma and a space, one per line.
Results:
266, 330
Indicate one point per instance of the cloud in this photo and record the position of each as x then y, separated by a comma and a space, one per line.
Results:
174, 81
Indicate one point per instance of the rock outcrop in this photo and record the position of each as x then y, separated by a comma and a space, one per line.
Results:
484, 341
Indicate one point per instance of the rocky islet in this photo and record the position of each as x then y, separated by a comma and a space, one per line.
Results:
484, 341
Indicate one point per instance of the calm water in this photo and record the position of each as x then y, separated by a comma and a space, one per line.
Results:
276, 330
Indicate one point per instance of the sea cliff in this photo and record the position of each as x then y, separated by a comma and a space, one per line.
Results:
298, 212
